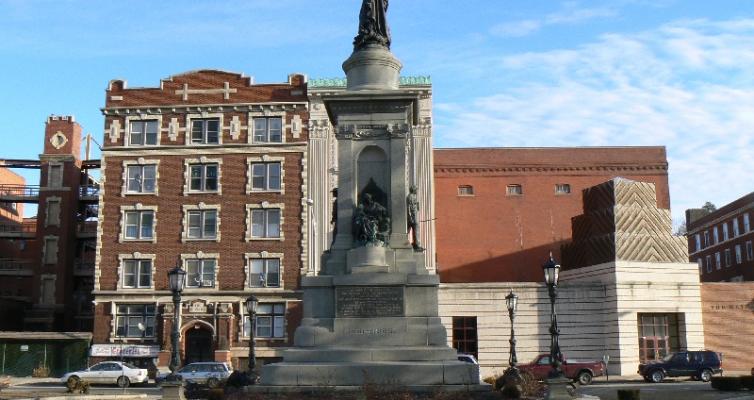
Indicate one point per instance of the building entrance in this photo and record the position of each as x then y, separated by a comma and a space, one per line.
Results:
198, 345
658, 336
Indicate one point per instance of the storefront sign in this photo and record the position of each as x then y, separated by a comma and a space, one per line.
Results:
126, 350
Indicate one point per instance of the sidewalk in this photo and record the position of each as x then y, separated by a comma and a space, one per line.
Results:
28, 380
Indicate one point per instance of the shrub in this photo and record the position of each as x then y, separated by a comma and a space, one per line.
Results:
41, 372
77, 386
748, 382
729, 383
629, 394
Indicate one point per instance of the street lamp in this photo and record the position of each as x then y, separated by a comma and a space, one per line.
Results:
313, 229
251, 308
176, 280
556, 380
512, 378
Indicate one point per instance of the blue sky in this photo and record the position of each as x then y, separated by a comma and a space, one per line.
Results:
505, 72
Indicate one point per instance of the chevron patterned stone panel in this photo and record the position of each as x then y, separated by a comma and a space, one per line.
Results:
621, 221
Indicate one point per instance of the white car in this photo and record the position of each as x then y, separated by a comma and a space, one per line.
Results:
120, 373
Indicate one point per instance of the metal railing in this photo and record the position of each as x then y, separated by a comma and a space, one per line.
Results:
87, 227
19, 191
12, 264
28, 227
89, 191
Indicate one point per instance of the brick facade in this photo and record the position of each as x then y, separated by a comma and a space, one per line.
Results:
215, 310
496, 236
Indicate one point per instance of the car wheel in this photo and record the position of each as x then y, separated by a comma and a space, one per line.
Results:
705, 375
123, 382
213, 383
72, 381
657, 376
584, 378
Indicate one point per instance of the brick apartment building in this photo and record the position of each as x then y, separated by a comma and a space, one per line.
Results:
500, 211
47, 261
206, 172
720, 242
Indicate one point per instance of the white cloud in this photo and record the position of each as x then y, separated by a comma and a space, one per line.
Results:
570, 15
685, 85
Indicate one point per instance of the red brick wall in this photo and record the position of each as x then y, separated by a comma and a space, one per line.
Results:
728, 316
492, 237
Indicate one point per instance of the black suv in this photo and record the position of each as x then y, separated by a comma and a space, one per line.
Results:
699, 365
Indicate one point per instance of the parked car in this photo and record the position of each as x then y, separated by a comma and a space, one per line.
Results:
580, 371
699, 365
470, 359
211, 374
113, 372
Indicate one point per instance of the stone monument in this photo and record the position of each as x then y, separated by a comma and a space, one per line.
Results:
371, 313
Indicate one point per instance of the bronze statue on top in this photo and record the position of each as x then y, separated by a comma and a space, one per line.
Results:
373, 27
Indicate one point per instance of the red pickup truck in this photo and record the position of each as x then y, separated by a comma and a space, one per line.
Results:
580, 371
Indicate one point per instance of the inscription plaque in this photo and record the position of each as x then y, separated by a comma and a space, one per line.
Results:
366, 301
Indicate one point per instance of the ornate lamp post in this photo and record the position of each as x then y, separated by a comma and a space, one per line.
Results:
176, 280
556, 380
251, 307
512, 385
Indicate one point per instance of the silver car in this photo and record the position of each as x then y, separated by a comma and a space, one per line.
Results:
112, 372
203, 373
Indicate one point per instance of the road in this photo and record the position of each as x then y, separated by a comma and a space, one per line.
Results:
25, 390
669, 390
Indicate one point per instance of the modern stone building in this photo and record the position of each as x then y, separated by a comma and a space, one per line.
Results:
720, 242
206, 171
47, 262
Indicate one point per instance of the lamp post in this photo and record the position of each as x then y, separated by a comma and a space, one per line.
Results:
512, 378
556, 380
313, 229
251, 307
176, 280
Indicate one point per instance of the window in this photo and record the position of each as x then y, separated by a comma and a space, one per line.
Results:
137, 273
562, 188
465, 190
717, 260
200, 273
749, 251
51, 250
465, 335
715, 236
709, 263
700, 264
725, 231
139, 225
265, 176
268, 130
55, 177
265, 223
514, 190
727, 258
264, 272
270, 321
735, 227
739, 256
141, 178
747, 226
205, 131
129, 316
698, 240
203, 177
202, 224
143, 133
53, 212
706, 239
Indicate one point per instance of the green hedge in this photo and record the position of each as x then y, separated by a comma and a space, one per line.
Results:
728, 383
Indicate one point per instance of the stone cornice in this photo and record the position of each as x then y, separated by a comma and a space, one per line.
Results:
227, 148
183, 108
546, 168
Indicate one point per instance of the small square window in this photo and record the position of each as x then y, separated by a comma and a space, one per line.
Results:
141, 178
465, 190
562, 188
205, 131
268, 130
200, 273
137, 273
265, 176
514, 190
265, 223
264, 272
143, 133
203, 177
139, 225
202, 224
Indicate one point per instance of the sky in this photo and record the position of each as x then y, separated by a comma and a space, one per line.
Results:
514, 73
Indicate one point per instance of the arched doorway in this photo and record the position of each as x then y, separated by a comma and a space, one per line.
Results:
198, 344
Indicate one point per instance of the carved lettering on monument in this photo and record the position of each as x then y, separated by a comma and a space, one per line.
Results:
366, 301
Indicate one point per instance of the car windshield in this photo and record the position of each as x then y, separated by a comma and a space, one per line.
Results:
668, 357
129, 365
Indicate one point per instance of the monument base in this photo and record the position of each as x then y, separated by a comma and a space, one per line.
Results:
372, 68
473, 391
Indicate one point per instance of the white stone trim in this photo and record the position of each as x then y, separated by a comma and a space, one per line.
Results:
56, 185
48, 221
63, 140
199, 207
200, 255
135, 256
187, 174
141, 117
264, 206
115, 130
267, 159
140, 162
267, 112
100, 223
136, 207
227, 148
235, 127
55, 239
247, 270
46, 277
203, 115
